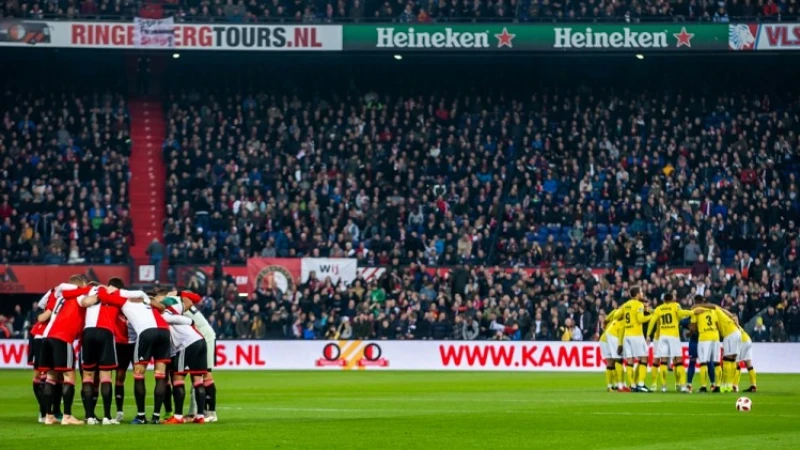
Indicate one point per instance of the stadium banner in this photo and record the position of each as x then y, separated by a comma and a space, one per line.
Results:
154, 33
536, 37
184, 36
773, 36
38, 279
240, 276
516, 356
345, 269
269, 273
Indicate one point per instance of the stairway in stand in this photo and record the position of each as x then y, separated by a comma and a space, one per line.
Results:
147, 184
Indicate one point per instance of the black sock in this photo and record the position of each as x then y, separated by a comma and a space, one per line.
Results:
168, 399
119, 395
200, 393
87, 392
210, 393
105, 391
58, 394
69, 397
48, 397
139, 393
158, 396
37, 392
179, 392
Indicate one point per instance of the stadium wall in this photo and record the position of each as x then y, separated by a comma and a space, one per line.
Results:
424, 355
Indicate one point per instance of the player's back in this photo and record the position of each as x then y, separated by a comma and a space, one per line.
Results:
142, 317
669, 315
707, 326
727, 326
67, 318
629, 313
202, 325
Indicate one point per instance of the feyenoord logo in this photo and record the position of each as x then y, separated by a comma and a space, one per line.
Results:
272, 277
347, 354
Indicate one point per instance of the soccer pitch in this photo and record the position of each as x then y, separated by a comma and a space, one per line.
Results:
431, 410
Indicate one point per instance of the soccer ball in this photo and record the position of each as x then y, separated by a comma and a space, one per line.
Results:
744, 404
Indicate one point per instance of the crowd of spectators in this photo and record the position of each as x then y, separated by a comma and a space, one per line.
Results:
405, 11
484, 304
64, 183
547, 178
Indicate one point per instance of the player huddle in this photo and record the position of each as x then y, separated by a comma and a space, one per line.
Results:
713, 331
112, 327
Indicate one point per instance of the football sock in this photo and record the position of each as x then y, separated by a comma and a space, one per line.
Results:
727, 373
654, 372
37, 392
751, 371
680, 374
629, 375
200, 394
179, 392
58, 395
618, 369
95, 391
210, 394
662, 370
48, 396
105, 392
69, 397
87, 392
717, 372
737, 375
609, 377
158, 395
711, 371
139, 393
168, 399
642, 375
704, 375
690, 371
119, 395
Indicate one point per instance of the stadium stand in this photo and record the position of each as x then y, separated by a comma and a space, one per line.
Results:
65, 176
412, 176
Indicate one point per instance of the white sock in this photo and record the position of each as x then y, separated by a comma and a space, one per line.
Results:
178, 416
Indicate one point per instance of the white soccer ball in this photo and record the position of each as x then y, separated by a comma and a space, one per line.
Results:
744, 404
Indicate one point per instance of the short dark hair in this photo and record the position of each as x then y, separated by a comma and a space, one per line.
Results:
668, 297
699, 299
635, 291
116, 282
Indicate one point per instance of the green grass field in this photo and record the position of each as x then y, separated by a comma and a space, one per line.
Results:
432, 410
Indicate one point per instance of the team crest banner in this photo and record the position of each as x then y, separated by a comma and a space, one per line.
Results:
266, 274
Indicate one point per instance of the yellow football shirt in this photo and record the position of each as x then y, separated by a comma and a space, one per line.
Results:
668, 317
745, 336
632, 314
726, 325
707, 325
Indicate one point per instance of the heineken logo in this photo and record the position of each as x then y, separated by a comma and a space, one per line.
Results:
390, 37
625, 38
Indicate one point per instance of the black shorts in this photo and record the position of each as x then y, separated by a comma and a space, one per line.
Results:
152, 344
34, 350
98, 350
193, 359
124, 355
56, 355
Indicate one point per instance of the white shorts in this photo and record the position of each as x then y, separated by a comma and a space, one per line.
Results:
707, 351
669, 347
731, 344
745, 352
609, 348
634, 347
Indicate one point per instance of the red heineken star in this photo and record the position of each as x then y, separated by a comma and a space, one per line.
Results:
684, 38
504, 39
